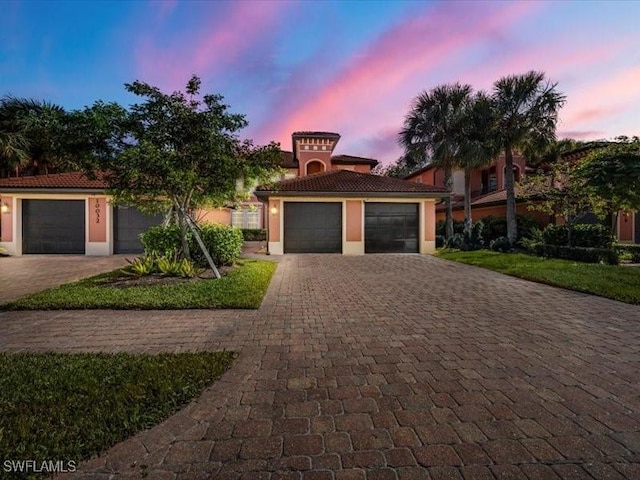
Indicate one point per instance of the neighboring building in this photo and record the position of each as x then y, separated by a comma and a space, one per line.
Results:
323, 203
489, 197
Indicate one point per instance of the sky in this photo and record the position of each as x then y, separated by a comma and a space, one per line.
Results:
351, 67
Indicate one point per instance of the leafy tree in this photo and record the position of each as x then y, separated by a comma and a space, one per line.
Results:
480, 146
399, 169
556, 190
433, 131
527, 108
174, 151
611, 177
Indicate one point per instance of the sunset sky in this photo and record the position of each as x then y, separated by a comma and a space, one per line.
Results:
349, 67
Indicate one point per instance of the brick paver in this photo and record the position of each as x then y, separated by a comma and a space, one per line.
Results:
376, 367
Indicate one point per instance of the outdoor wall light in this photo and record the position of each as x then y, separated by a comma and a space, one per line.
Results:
274, 210
4, 207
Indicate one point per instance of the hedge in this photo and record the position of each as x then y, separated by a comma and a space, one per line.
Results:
582, 235
633, 250
579, 254
254, 234
224, 242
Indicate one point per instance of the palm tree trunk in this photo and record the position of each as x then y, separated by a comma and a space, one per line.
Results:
448, 183
467, 198
512, 226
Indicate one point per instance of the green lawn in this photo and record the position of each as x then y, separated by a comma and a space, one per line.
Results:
611, 281
243, 287
69, 407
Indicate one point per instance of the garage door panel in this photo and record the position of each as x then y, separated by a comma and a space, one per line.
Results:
53, 226
391, 228
312, 227
129, 223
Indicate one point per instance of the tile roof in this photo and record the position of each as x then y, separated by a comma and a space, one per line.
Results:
353, 160
287, 160
75, 180
347, 181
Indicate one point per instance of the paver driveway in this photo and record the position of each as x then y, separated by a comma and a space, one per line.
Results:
384, 367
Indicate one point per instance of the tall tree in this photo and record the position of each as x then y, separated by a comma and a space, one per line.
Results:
527, 108
611, 176
42, 126
434, 131
480, 146
178, 150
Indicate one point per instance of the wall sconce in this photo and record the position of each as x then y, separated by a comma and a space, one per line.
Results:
4, 207
274, 210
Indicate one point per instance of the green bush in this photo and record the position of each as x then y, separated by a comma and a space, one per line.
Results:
254, 234
458, 227
580, 235
500, 244
496, 227
530, 243
224, 243
633, 251
162, 240
439, 241
579, 254
457, 241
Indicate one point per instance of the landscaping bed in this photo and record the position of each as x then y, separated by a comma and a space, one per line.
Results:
60, 407
612, 281
243, 286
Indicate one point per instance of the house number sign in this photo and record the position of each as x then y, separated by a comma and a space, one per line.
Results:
97, 219
98, 210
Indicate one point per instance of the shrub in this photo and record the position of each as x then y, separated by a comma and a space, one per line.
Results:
162, 240
458, 227
439, 241
631, 251
500, 244
579, 254
254, 234
530, 243
496, 227
224, 243
473, 236
580, 235
141, 266
457, 241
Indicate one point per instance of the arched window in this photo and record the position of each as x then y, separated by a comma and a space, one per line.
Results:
315, 166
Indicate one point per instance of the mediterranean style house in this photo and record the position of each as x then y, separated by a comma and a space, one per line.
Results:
322, 203
489, 198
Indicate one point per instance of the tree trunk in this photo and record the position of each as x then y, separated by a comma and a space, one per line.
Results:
182, 221
512, 226
468, 221
614, 224
448, 184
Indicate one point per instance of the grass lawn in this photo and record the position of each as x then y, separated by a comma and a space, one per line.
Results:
69, 407
243, 287
611, 281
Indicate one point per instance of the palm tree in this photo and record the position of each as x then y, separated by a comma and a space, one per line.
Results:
433, 131
480, 145
13, 151
40, 124
527, 108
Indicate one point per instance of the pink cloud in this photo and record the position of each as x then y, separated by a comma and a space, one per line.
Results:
581, 134
416, 46
210, 47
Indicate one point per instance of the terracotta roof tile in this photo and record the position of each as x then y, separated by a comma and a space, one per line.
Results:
76, 180
315, 134
347, 181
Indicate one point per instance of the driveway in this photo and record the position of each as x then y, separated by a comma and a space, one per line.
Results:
383, 367
32, 273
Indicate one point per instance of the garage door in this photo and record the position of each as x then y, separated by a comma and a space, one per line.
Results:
312, 227
53, 226
391, 228
128, 224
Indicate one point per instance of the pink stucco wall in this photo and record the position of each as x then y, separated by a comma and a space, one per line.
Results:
6, 221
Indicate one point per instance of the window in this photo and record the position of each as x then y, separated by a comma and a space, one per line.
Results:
246, 217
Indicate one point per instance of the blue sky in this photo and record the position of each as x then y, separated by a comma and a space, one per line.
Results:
349, 67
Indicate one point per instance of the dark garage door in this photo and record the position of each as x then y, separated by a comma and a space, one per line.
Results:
128, 224
312, 227
391, 228
53, 226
